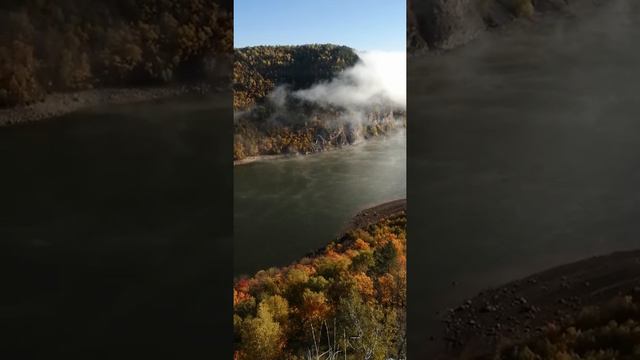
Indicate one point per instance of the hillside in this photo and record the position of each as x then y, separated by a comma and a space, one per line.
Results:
269, 121
71, 45
348, 299
258, 70
447, 24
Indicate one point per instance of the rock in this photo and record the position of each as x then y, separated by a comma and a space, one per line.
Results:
522, 300
487, 308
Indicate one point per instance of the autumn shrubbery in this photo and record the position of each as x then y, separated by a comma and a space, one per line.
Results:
349, 297
610, 331
66, 45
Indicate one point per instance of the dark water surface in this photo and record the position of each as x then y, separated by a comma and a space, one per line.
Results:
115, 232
284, 209
524, 153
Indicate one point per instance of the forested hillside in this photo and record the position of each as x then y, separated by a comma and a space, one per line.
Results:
447, 24
347, 302
271, 122
258, 70
65, 45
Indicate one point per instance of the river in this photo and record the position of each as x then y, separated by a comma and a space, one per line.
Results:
524, 153
286, 208
116, 231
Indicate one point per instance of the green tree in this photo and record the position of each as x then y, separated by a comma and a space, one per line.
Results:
261, 336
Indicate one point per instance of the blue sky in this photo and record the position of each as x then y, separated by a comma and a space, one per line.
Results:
360, 24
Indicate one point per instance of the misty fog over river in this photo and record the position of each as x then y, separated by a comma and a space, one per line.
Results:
286, 208
524, 153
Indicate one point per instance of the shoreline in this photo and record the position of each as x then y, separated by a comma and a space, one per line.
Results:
519, 310
363, 218
260, 158
58, 104
374, 214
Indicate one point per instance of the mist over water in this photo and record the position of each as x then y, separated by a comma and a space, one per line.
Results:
284, 209
524, 153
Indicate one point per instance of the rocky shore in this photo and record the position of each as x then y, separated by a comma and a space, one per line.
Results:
515, 312
59, 104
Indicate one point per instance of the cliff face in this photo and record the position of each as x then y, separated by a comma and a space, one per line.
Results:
447, 24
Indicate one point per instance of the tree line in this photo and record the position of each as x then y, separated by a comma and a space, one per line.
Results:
259, 69
67, 45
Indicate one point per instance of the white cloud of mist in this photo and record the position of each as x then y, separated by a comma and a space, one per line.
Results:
378, 77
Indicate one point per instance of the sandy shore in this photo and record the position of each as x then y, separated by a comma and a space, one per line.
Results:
518, 310
59, 104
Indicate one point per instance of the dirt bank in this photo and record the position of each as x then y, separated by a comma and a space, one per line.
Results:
374, 214
59, 104
516, 311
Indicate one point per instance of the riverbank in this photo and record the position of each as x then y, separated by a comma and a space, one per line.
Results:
259, 158
369, 216
519, 310
375, 214
58, 104
252, 159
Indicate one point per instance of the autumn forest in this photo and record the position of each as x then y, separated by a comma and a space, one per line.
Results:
346, 300
70, 45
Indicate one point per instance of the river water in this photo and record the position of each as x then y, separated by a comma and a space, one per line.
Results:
116, 233
286, 208
524, 153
